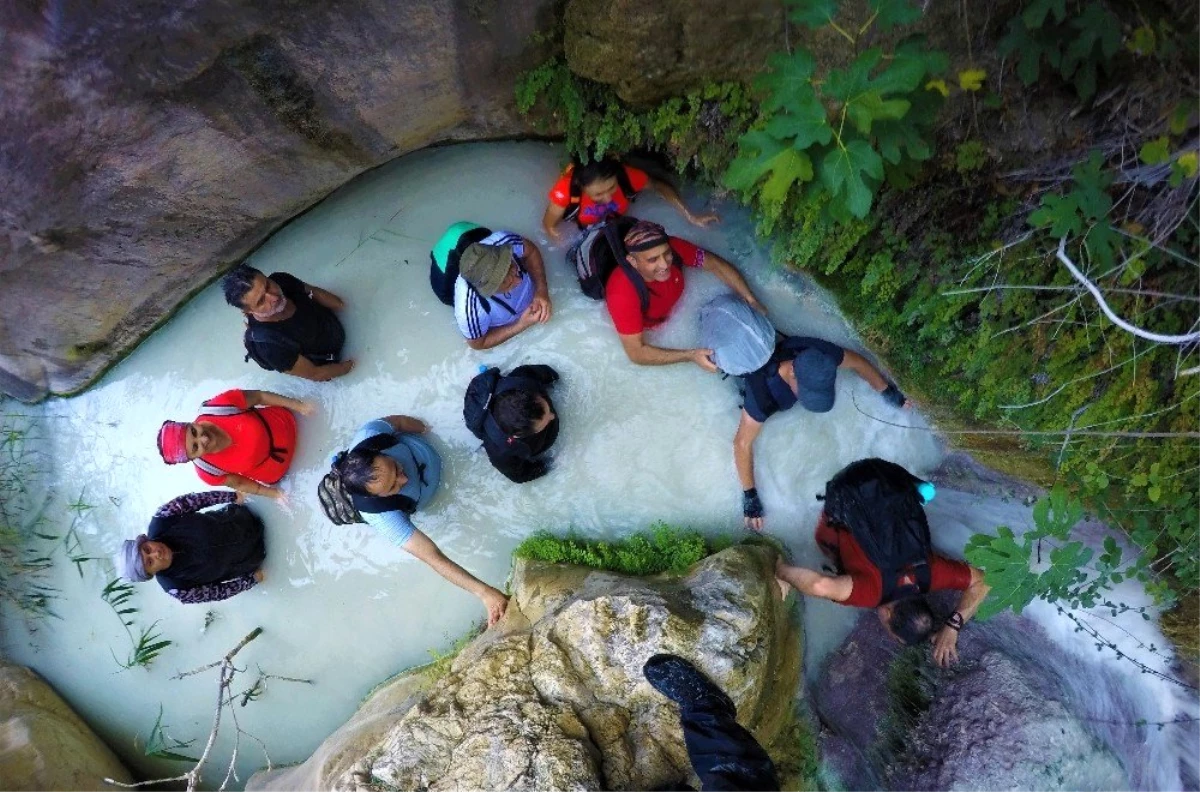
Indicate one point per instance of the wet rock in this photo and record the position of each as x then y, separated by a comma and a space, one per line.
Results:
146, 146
1005, 717
43, 743
650, 51
555, 698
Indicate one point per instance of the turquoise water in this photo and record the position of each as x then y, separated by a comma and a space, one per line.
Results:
341, 606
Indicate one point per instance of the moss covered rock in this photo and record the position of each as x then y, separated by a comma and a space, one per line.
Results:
554, 696
43, 743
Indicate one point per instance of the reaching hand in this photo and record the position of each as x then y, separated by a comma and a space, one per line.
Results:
259, 575
541, 308
495, 603
945, 647
305, 407
756, 305
703, 359
703, 220
752, 509
239, 498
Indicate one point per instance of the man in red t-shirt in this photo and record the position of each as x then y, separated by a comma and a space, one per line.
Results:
860, 585
658, 261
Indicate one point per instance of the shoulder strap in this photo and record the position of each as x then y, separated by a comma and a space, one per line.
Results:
208, 467
260, 333
377, 443
618, 249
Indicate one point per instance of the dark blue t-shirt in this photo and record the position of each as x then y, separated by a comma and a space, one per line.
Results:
782, 394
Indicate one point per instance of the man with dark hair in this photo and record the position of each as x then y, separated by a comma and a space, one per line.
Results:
906, 615
290, 325
515, 419
640, 297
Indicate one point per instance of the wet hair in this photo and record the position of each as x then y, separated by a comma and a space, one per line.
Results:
912, 620
584, 174
237, 283
356, 469
516, 410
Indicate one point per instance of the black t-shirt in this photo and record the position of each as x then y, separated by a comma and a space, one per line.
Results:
768, 377
313, 330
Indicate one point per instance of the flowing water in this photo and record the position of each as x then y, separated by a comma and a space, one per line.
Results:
346, 609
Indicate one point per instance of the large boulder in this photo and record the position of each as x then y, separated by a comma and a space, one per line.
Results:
650, 51
43, 743
1006, 716
147, 145
554, 697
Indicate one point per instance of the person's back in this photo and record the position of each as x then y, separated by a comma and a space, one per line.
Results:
515, 418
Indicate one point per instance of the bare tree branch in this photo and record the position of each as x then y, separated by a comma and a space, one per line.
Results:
1189, 338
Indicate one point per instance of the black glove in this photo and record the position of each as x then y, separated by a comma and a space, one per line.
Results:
894, 396
751, 505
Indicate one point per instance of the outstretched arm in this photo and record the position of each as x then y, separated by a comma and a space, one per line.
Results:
251, 487
814, 584
861, 366
257, 398
214, 592
671, 196
743, 459
423, 548
195, 501
551, 219
536, 268
308, 370
644, 354
945, 642
730, 276
406, 423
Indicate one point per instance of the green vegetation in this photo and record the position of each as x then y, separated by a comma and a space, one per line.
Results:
663, 548
957, 281
147, 645
25, 545
910, 693
795, 753
161, 745
841, 131
442, 659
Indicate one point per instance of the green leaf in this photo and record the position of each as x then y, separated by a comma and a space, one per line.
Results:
1030, 50
890, 13
845, 171
788, 82
806, 123
1034, 15
1102, 242
813, 13
1155, 151
1187, 163
971, 79
845, 84
1142, 42
1179, 118
787, 167
868, 107
1154, 493
755, 152
1060, 213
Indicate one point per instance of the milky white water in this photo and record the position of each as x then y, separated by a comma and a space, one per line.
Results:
341, 605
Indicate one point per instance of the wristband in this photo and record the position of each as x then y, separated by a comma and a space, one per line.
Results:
751, 505
956, 621
893, 395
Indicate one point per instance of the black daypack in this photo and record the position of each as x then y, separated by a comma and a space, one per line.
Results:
476, 413
601, 250
344, 507
258, 334
878, 502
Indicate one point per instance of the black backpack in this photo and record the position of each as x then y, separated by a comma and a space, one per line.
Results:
600, 251
442, 282
878, 502
483, 388
258, 334
344, 507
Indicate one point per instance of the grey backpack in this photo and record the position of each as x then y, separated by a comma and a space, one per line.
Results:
741, 338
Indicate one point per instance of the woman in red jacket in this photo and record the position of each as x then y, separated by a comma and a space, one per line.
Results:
242, 439
589, 193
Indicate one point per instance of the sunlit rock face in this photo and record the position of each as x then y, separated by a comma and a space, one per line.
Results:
555, 698
1013, 713
146, 145
43, 743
